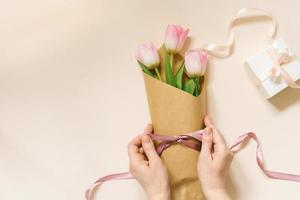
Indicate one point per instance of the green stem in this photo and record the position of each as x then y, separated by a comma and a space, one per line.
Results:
197, 90
172, 60
157, 73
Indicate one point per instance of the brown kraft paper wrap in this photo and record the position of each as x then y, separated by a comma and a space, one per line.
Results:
175, 112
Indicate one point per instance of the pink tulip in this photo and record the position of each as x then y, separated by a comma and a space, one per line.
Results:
195, 63
148, 55
175, 37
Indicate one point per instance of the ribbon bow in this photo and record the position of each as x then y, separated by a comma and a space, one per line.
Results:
192, 140
280, 57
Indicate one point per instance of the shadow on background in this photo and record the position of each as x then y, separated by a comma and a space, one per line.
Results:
285, 98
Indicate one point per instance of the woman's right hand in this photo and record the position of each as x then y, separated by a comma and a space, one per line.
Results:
147, 167
214, 162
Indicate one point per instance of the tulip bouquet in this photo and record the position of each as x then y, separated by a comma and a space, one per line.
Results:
193, 65
176, 99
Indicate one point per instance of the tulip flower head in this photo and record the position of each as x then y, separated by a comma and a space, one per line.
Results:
195, 63
148, 55
175, 38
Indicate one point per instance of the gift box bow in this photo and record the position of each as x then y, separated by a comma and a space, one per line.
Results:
277, 72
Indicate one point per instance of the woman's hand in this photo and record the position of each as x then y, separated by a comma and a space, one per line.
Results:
147, 167
214, 162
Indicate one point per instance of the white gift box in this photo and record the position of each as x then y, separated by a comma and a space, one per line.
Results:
260, 68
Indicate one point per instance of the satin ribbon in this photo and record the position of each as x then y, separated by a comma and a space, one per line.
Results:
277, 72
193, 141
242, 16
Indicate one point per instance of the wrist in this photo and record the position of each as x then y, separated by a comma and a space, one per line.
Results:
217, 194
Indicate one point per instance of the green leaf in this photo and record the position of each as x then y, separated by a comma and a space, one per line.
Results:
178, 76
145, 69
190, 86
169, 75
157, 73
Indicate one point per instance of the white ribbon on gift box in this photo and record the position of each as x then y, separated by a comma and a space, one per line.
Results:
277, 72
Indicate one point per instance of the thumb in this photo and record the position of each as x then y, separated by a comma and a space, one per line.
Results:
208, 121
149, 148
207, 143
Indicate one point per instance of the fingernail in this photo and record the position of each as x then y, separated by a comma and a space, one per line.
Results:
146, 139
148, 126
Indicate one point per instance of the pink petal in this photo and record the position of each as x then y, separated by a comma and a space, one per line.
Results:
182, 39
192, 63
148, 55
171, 38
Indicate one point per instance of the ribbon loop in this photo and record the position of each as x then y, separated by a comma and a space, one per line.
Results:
242, 16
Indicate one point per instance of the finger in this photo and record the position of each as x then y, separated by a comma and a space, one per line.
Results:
148, 129
149, 149
207, 143
134, 148
218, 139
141, 150
208, 121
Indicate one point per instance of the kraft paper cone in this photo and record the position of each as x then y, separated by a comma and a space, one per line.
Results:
175, 112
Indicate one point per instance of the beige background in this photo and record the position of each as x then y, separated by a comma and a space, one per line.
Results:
72, 96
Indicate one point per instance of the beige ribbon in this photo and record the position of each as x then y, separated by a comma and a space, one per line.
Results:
242, 16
